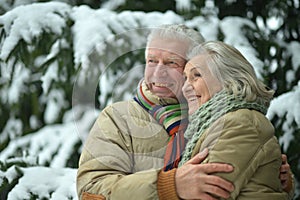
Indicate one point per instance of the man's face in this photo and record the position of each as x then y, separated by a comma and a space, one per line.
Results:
164, 67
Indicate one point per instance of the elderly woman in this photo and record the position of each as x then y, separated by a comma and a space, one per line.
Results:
227, 107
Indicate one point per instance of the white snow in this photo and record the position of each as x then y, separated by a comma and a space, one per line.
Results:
294, 49
50, 75
234, 36
207, 26
287, 107
112, 4
93, 31
53, 143
183, 5
19, 78
29, 21
274, 22
12, 129
49, 183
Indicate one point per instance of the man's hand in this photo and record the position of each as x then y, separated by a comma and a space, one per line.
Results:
194, 180
284, 169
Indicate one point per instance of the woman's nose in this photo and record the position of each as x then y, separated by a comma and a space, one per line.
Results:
187, 86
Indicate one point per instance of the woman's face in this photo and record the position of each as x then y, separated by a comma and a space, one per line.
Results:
200, 85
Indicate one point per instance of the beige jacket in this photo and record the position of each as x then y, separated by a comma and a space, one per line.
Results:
123, 155
124, 140
245, 139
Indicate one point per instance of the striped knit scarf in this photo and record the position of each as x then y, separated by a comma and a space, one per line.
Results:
173, 117
208, 113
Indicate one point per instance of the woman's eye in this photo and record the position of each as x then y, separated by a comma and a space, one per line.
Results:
197, 75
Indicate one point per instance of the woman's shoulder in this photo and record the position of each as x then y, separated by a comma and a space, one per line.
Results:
246, 115
251, 120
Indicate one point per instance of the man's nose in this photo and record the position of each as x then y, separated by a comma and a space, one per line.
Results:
161, 69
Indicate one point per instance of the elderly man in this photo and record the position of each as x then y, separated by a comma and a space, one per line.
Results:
134, 147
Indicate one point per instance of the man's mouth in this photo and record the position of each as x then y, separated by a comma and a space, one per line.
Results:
166, 85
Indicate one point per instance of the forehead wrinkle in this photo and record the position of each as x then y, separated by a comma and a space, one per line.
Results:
174, 57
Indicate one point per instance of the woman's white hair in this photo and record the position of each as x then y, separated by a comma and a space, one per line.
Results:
234, 71
178, 32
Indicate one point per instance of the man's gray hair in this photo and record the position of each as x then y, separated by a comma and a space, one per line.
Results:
178, 32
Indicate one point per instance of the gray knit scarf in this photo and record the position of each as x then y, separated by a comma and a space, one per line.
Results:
220, 104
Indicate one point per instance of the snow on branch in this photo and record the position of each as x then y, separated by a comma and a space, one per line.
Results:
286, 107
30, 21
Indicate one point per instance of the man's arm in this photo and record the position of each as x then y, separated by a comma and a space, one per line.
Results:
106, 163
195, 181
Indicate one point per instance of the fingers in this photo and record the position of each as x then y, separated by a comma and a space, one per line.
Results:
199, 157
207, 197
285, 167
284, 158
217, 191
215, 167
284, 184
284, 176
221, 186
195, 180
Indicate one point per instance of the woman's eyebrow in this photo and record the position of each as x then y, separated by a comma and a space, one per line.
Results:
194, 68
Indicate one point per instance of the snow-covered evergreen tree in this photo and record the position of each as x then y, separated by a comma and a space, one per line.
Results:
62, 62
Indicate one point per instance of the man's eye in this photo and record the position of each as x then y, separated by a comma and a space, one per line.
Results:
173, 64
151, 61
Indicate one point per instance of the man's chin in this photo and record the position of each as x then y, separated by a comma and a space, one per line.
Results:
164, 95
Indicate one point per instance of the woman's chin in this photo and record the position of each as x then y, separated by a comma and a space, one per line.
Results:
193, 107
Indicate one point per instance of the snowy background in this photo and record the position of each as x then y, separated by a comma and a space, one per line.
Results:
62, 63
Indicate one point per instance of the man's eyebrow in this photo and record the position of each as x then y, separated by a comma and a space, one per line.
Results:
176, 57
151, 56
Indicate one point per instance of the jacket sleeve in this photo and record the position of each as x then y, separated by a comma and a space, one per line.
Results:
105, 166
237, 140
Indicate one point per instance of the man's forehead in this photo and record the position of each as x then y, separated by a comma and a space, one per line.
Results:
154, 52
172, 46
